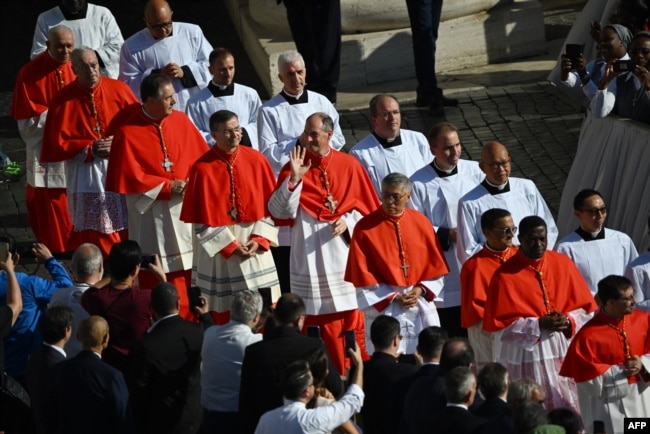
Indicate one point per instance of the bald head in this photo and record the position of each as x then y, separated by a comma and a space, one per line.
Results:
155, 7
158, 16
495, 163
93, 333
60, 43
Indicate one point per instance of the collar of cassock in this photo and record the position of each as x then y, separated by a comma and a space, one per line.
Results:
318, 161
385, 143
302, 99
217, 91
493, 190
444, 173
78, 16
224, 155
588, 236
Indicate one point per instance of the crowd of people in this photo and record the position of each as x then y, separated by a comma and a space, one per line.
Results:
232, 264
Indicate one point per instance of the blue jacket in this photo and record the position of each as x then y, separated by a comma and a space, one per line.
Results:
25, 337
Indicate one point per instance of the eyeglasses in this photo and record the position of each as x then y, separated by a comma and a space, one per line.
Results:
496, 165
161, 26
595, 211
627, 299
232, 132
386, 114
507, 230
394, 197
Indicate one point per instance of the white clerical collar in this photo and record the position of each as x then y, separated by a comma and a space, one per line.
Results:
220, 86
59, 349
457, 405
494, 250
498, 187
292, 95
153, 326
448, 172
144, 110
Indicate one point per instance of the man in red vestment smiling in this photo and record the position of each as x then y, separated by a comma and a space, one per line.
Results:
153, 150
36, 85
78, 131
226, 199
396, 264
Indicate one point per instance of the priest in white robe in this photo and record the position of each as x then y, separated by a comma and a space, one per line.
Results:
596, 250
222, 93
436, 191
638, 271
92, 25
178, 50
389, 148
498, 190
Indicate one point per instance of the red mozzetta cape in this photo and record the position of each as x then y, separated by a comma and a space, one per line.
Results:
135, 164
70, 125
598, 346
475, 279
515, 291
36, 85
207, 198
374, 255
349, 185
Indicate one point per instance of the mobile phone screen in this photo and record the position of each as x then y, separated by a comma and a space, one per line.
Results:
350, 341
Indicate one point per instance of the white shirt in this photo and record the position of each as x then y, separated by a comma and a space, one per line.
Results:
71, 297
294, 418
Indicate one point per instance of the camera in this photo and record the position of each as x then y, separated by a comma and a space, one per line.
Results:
624, 65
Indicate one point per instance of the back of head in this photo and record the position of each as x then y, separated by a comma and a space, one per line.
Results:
296, 379
566, 418
493, 380
245, 305
288, 310
490, 217
86, 260
123, 258
317, 359
529, 416
164, 299
54, 323
611, 286
383, 330
93, 333
430, 342
456, 352
521, 390
459, 382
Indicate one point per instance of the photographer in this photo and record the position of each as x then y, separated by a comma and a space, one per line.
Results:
624, 88
25, 337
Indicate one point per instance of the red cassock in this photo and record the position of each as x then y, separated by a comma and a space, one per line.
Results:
136, 166
598, 346
47, 208
375, 251
73, 120
348, 183
207, 198
475, 276
515, 291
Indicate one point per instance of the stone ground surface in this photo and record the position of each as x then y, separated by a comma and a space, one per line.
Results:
512, 103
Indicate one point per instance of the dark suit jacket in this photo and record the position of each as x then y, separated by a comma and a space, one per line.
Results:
401, 388
166, 378
262, 371
492, 407
40, 385
91, 396
454, 420
500, 417
380, 374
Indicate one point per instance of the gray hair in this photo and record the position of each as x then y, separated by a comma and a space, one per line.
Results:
245, 305
86, 260
78, 52
459, 382
521, 390
397, 179
287, 57
328, 122
58, 30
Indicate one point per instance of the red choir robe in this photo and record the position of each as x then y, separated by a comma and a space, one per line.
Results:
207, 199
475, 276
71, 128
136, 166
47, 207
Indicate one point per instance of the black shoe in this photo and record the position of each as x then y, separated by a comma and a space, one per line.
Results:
437, 110
449, 102
422, 102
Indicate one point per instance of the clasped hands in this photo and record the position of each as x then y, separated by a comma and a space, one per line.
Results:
409, 299
555, 321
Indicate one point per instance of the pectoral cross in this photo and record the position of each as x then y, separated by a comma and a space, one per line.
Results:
167, 165
98, 129
330, 203
405, 268
233, 213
